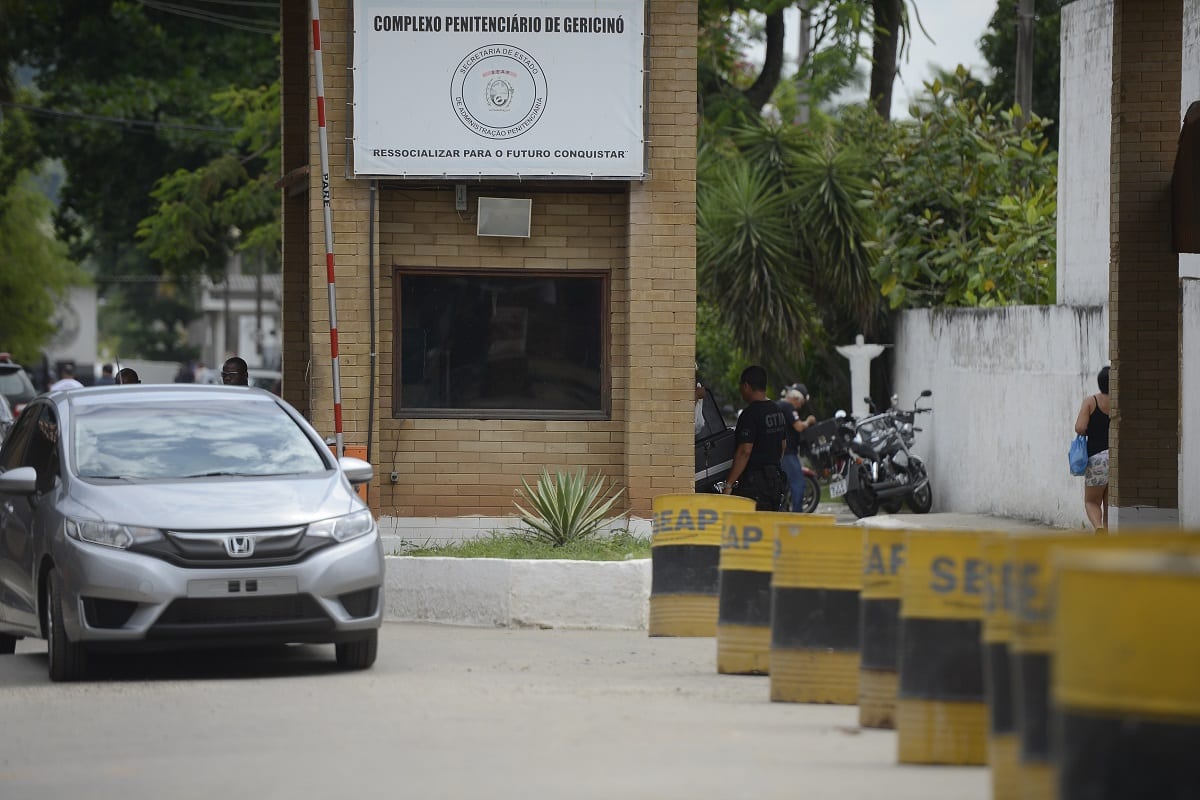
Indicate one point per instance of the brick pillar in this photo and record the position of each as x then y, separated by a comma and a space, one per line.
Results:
1144, 271
660, 436
295, 56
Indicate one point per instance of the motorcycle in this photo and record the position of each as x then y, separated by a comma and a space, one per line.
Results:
880, 470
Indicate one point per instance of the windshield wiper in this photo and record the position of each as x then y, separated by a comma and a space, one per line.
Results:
107, 478
219, 473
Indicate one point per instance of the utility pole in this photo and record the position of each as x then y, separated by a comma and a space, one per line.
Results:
804, 52
1024, 87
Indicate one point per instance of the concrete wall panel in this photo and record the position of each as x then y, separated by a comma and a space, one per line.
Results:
1189, 382
1006, 384
1083, 169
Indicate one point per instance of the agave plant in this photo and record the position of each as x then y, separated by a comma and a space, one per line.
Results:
564, 508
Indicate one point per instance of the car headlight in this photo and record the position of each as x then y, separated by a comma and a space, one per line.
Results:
111, 534
343, 529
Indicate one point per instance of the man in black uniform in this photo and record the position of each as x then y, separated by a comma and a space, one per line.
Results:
760, 435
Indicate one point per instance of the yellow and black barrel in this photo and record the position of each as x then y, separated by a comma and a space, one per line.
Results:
685, 553
1030, 657
1003, 743
744, 604
1033, 560
879, 627
941, 715
814, 612
1127, 675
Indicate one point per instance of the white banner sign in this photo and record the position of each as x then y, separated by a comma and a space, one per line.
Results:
528, 88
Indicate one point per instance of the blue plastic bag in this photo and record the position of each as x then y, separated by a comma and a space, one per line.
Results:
1077, 455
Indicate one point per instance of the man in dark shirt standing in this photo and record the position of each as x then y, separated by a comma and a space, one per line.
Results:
760, 435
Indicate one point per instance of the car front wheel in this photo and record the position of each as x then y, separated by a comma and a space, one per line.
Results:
68, 659
8, 644
359, 653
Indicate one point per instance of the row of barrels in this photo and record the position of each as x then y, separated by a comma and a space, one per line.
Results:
1070, 663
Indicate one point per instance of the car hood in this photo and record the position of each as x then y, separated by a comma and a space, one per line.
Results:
216, 503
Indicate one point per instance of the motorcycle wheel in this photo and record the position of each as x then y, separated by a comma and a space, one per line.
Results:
892, 505
921, 500
812, 495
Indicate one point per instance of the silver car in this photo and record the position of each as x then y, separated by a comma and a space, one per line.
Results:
159, 516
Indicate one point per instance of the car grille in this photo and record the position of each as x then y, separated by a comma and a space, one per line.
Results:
207, 549
221, 616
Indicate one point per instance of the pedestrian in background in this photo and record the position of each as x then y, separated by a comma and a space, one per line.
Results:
794, 400
106, 376
66, 379
128, 375
1092, 422
760, 435
234, 372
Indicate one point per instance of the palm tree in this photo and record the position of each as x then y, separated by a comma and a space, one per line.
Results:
781, 240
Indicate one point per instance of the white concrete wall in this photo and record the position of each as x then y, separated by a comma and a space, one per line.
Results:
1007, 384
1189, 384
1085, 129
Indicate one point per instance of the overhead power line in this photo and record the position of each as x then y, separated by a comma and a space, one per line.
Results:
251, 24
145, 124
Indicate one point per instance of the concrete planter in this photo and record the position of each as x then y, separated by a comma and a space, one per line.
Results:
611, 595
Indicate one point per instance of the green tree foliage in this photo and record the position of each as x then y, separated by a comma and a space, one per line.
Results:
966, 206
229, 204
151, 75
34, 270
780, 239
718, 358
999, 48
845, 34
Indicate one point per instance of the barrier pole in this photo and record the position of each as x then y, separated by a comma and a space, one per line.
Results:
323, 137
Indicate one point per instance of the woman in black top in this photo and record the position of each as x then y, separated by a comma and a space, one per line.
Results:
1092, 421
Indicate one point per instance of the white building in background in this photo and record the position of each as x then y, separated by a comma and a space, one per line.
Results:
240, 316
75, 337
1007, 382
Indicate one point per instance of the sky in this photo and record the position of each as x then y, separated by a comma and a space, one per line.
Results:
954, 26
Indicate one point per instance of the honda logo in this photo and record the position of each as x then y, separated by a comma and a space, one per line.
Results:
239, 546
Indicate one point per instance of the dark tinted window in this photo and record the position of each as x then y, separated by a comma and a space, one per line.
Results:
496, 345
165, 439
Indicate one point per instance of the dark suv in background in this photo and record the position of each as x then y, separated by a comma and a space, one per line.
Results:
15, 384
714, 444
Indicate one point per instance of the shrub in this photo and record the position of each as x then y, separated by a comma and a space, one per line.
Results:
565, 508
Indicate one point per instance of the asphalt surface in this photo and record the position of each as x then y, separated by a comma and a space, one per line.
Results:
445, 713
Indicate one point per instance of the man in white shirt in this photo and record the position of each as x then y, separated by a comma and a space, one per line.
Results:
66, 379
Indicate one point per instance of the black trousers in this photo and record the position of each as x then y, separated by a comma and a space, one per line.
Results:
764, 485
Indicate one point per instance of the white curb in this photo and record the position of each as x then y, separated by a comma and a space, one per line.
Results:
609, 595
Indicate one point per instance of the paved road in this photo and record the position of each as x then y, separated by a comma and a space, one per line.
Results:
446, 713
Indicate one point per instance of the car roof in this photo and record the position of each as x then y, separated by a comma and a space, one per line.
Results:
141, 392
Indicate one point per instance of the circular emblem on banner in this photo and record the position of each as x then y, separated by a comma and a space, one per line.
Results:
498, 91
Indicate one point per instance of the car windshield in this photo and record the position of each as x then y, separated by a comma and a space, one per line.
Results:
173, 439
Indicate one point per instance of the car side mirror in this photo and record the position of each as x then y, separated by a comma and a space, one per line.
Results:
22, 480
356, 470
